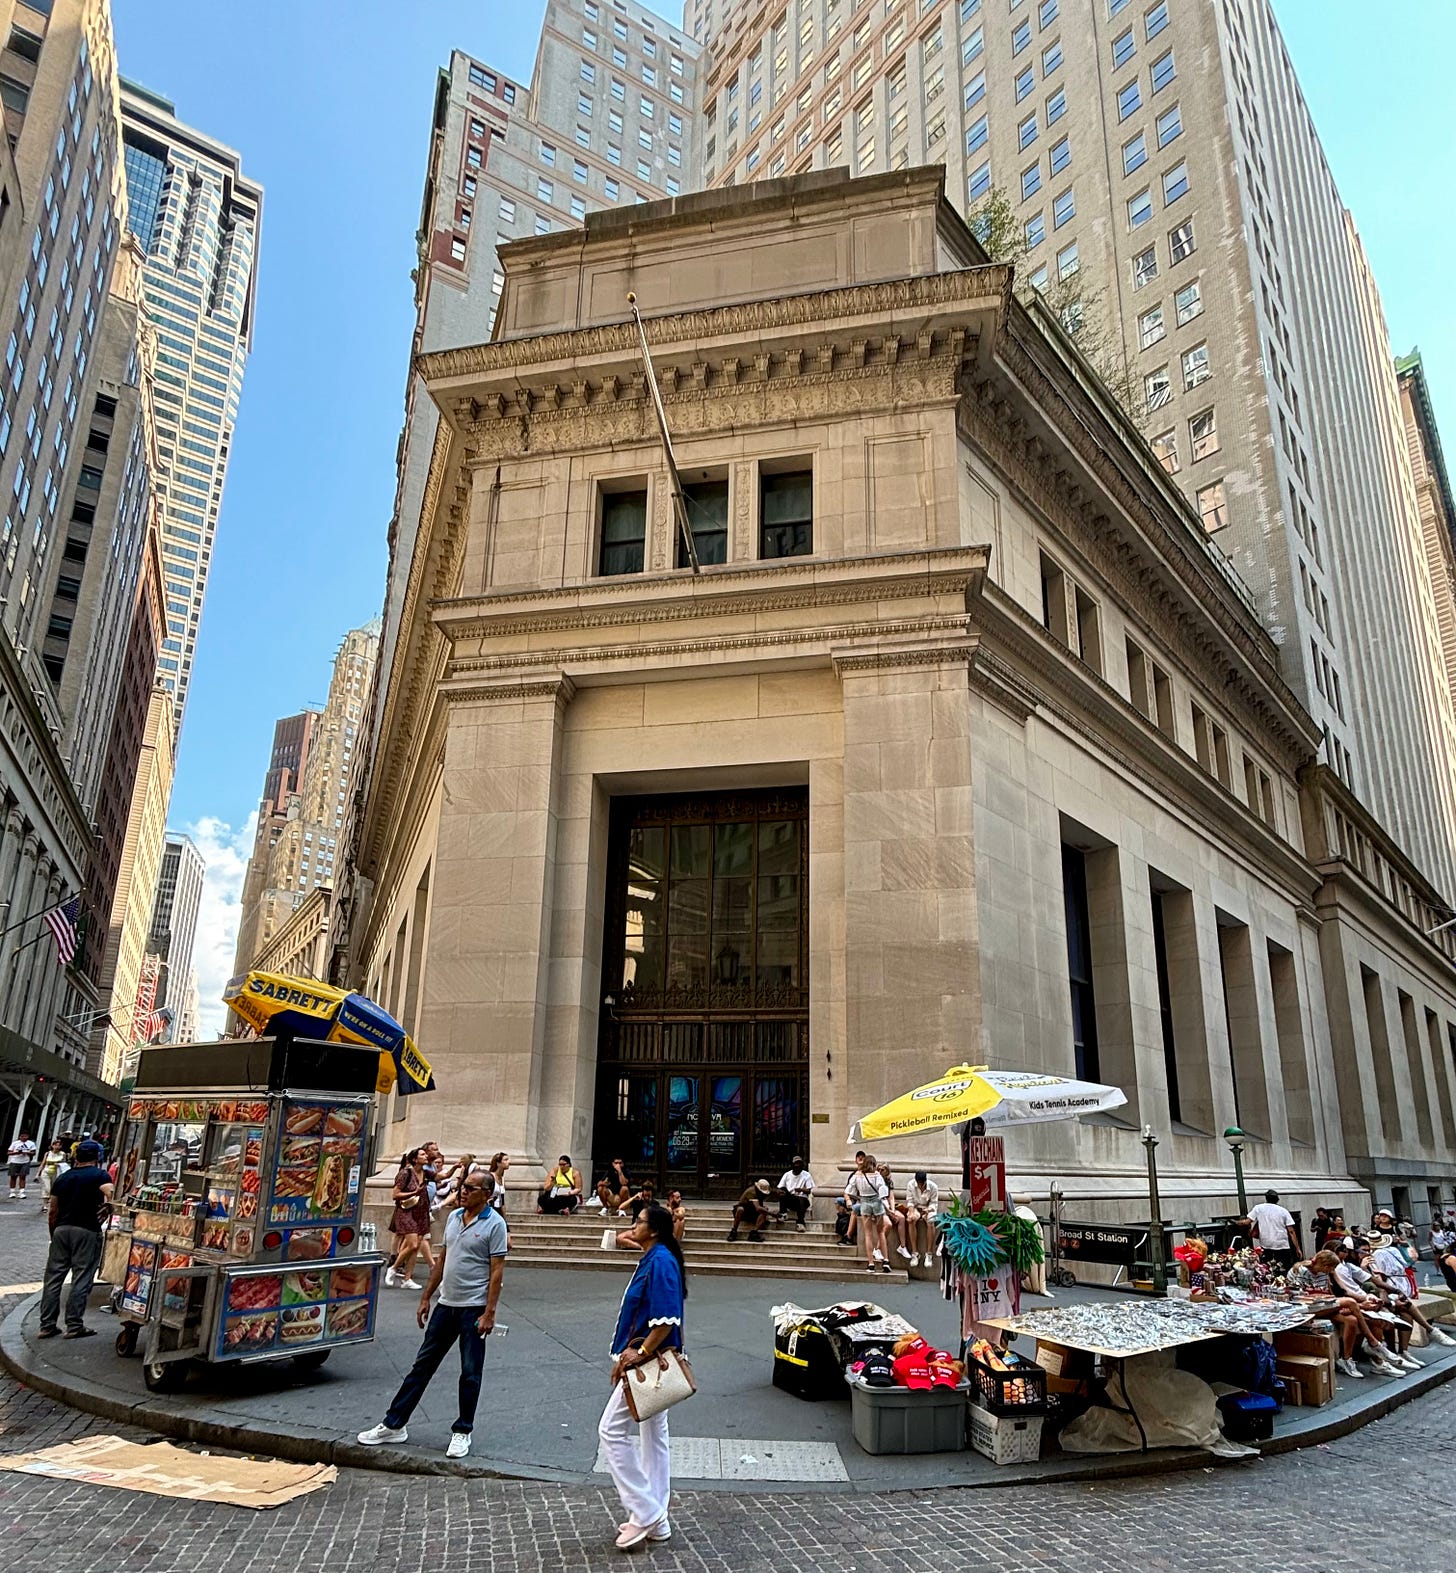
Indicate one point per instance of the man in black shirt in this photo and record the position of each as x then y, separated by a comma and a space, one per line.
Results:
79, 1201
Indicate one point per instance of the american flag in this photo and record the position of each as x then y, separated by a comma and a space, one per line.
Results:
154, 1024
62, 921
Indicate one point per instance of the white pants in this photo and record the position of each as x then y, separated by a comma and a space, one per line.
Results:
638, 1457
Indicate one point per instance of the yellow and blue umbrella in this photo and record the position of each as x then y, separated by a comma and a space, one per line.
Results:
275, 1003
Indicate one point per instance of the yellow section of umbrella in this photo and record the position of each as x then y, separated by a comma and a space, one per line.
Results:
961, 1094
257, 997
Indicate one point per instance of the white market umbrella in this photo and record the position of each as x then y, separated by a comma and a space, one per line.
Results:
1033, 1098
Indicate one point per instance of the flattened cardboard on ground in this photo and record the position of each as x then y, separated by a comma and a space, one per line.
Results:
166, 1471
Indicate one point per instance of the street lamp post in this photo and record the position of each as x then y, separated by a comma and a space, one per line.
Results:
1235, 1139
1155, 1205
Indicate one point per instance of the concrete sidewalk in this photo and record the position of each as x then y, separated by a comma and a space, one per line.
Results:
545, 1386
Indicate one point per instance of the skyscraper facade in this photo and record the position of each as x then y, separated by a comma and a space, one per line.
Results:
608, 119
174, 916
197, 217
301, 851
1166, 185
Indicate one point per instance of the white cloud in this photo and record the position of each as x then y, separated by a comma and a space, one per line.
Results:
225, 851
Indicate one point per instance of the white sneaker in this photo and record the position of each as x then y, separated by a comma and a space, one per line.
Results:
390, 1277
459, 1444
377, 1436
879, 1255
1349, 1368
906, 1254
409, 1283
1388, 1368
1442, 1338
1409, 1364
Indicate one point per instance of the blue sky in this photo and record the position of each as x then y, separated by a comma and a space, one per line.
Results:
329, 102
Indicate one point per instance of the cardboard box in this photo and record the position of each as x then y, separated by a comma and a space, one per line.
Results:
1313, 1375
1005, 1439
1301, 1341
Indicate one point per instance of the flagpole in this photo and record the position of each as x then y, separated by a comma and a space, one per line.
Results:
55, 906
679, 502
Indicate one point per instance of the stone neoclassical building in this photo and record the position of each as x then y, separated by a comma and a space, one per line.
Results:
965, 744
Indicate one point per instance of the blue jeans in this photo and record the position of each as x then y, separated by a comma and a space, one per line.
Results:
448, 1324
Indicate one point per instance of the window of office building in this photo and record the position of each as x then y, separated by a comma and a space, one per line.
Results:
707, 510
1079, 964
624, 532
786, 514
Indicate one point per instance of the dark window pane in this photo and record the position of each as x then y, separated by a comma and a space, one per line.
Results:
733, 848
778, 847
687, 961
688, 907
778, 957
682, 1122
624, 532
775, 1122
786, 514
707, 505
778, 901
690, 851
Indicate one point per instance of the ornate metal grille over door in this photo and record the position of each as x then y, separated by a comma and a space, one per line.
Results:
703, 1052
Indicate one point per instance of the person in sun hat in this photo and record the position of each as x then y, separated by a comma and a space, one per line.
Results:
1392, 1272
751, 1209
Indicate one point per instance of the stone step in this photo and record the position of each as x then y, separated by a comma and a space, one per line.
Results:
834, 1271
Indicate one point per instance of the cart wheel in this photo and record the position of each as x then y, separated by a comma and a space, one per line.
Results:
310, 1360
1064, 1278
126, 1339
168, 1376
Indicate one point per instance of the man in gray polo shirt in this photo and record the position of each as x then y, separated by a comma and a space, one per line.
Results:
468, 1273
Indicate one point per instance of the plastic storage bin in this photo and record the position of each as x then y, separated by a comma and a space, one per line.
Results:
909, 1420
1005, 1439
1247, 1417
1022, 1390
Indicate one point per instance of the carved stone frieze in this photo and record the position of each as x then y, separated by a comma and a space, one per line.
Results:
662, 521
742, 485
973, 288
904, 658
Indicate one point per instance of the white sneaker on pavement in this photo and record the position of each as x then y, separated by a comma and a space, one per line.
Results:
377, 1436
1350, 1368
390, 1277
409, 1283
1442, 1338
459, 1444
1409, 1364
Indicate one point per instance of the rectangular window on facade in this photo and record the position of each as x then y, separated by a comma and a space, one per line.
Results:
473, 158
978, 182
1164, 71
457, 249
543, 189
1025, 81
1051, 58
1139, 209
1025, 132
1158, 387
583, 137
975, 88
1165, 1006
1030, 181
1180, 241
1129, 99
1151, 327
1145, 267
1035, 230
1061, 156
1195, 366
1156, 20
707, 510
1170, 125
1046, 13
624, 532
1124, 47
507, 211
1064, 208
1068, 261
548, 155
1089, 628
1020, 37
1038, 277
588, 71
1175, 183
786, 513
1203, 434
584, 104
1079, 965
578, 208
977, 134
1134, 153
1188, 302
1056, 613
973, 46
1213, 507
1056, 106
1165, 450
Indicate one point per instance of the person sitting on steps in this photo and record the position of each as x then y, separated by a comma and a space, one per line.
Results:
562, 1190
750, 1209
614, 1190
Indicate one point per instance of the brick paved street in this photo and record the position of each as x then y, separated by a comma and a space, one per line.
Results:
1280, 1513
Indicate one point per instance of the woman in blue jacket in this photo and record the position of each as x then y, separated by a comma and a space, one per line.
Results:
651, 1318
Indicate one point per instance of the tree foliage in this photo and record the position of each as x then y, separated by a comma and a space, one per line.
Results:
1080, 305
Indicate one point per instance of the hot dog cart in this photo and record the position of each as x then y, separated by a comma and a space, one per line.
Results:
238, 1192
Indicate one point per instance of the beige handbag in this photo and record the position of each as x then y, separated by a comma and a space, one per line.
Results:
658, 1384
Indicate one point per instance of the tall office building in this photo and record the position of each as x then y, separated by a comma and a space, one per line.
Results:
72, 461
197, 216
174, 917
1166, 182
292, 739
607, 120
300, 853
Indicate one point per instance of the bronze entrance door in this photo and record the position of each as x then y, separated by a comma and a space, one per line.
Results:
703, 1053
